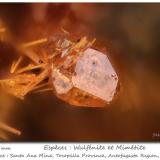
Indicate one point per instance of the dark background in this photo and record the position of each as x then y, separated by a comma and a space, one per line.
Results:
130, 32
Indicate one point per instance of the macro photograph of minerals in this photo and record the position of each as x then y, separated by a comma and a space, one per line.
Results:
79, 72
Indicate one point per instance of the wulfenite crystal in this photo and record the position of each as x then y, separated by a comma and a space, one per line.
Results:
87, 79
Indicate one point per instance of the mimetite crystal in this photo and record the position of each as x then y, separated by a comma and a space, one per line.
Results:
90, 81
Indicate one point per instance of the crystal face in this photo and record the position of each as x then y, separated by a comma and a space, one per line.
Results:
95, 75
62, 83
91, 81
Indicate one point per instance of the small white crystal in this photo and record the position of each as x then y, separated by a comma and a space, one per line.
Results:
61, 83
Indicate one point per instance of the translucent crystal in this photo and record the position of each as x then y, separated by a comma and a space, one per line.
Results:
91, 81
95, 75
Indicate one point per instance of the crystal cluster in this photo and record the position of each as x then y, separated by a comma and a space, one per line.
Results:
83, 76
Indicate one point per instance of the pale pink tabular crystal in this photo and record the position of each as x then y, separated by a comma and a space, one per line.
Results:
94, 74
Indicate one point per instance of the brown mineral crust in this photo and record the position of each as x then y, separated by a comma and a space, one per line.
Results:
77, 97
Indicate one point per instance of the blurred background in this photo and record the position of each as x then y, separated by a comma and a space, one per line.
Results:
129, 32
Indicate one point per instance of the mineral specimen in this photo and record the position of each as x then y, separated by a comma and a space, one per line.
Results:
87, 79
